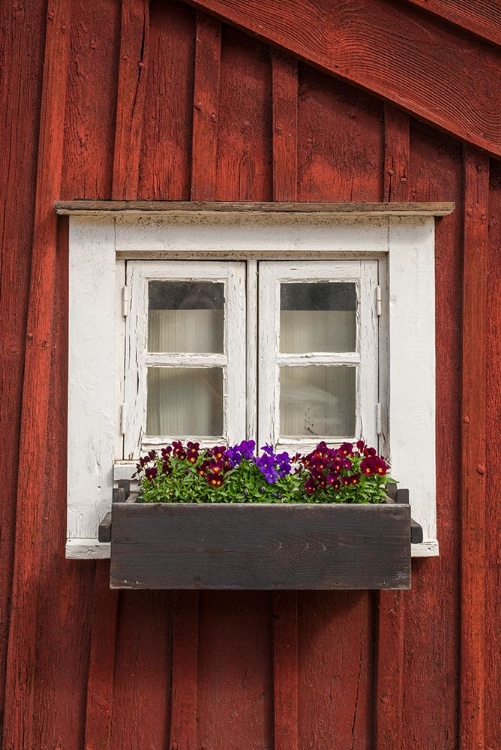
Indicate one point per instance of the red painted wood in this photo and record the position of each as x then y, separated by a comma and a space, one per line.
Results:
19, 92
346, 39
335, 670
475, 16
142, 681
168, 115
431, 687
184, 690
339, 141
205, 108
473, 452
20, 675
285, 670
235, 699
284, 92
131, 96
390, 638
101, 666
396, 155
244, 156
493, 451
91, 101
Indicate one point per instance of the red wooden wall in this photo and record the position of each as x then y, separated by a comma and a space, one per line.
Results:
158, 101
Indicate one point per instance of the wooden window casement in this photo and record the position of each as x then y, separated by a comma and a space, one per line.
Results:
287, 324
313, 374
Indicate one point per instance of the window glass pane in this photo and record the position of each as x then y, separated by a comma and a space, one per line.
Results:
318, 317
318, 400
185, 316
185, 401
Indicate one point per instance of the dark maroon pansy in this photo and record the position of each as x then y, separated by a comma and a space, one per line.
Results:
151, 473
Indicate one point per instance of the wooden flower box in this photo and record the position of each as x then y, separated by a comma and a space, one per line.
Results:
260, 546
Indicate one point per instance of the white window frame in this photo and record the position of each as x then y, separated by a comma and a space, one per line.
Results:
231, 360
100, 242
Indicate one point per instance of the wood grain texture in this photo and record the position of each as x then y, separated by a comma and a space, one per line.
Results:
142, 677
285, 670
435, 208
346, 40
396, 155
473, 451
339, 141
235, 661
475, 16
20, 90
20, 673
493, 539
284, 92
205, 108
390, 612
132, 74
165, 164
184, 684
101, 662
244, 156
430, 711
335, 670
91, 101
181, 546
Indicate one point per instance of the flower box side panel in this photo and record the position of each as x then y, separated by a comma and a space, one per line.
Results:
170, 546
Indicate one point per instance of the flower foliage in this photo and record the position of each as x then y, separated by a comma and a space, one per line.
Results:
182, 473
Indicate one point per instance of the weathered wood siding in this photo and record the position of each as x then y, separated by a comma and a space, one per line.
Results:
157, 101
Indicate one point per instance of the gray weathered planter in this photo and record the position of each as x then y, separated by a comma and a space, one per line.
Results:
268, 546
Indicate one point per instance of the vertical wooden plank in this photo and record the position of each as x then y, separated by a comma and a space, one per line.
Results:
285, 670
19, 92
473, 451
493, 554
340, 144
101, 662
91, 100
131, 97
129, 125
390, 612
285, 603
184, 692
235, 661
284, 92
205, 108
20, 674
165, 166
244, 158
396, 155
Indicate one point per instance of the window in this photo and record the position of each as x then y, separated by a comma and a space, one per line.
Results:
290, 327
314, 328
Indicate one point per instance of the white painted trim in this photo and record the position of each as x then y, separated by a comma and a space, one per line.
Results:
87, 549
428, 548
91, 390
99, 243
411, 367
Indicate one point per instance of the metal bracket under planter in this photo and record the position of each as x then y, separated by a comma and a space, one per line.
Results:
259, 546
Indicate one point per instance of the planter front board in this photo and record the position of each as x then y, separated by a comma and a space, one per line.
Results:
268, 546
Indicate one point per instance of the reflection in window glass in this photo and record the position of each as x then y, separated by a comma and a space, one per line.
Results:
318, 317
185, 401
318, 400
185, 316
